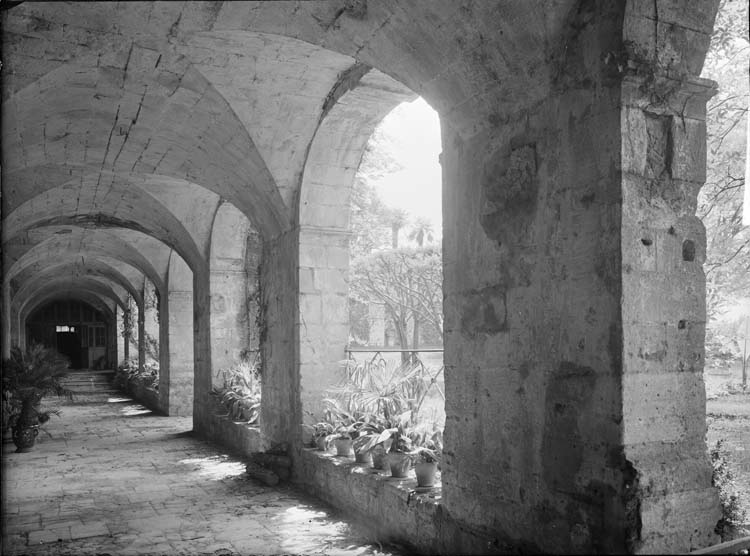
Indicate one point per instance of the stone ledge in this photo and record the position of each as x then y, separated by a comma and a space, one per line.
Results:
145, 395
394, 509
236, 436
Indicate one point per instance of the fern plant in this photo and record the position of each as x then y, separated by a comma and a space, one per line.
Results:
29, 376
240, 393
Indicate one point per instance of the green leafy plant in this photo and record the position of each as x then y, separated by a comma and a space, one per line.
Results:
128, 372
385, 389
428, 443
393, 435
240, 393
732, 512
29, 376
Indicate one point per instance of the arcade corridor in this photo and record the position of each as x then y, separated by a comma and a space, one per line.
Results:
112, 477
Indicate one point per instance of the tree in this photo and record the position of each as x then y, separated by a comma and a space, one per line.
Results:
727, 264
397, 219
408, 282
421, 230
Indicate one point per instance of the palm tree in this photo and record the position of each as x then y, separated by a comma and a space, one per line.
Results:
28, 377
398, 219
421, 230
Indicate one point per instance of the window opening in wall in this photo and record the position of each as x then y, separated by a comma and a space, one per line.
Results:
65, 328
395, 355
727, 267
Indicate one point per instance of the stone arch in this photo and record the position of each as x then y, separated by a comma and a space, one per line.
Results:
31, 295
233, 266
59, 267
211, 138
124, 208
99, 245
541, 106
359, 101
87, 350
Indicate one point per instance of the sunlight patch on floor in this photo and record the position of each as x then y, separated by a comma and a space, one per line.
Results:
137, 409
215, 467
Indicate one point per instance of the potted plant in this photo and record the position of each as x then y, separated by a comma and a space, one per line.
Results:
360, 454
342, 438
28, 377
399, 455
395, 443
426, 461
320, 433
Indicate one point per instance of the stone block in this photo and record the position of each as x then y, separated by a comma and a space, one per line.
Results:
634, 141
689, 150
331, 280
660, 407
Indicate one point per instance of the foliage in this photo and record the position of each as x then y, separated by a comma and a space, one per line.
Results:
727, 263
732, 513
409, 284
722, 346
127, 318
384, 389
240, 392
379, 404
29, 376
128, 371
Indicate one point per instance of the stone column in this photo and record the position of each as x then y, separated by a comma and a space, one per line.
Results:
664, 310
5, 321
202, 348
323, 321
574, 316
120, 341
141, 335
281, 411
151, 317
176, 341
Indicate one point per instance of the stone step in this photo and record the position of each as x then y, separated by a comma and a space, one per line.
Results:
90, 382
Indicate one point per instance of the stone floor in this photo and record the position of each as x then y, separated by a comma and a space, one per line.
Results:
113, 478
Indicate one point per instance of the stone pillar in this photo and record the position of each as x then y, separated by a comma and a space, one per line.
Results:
120, 341
202, 371
281, 411
323, 322
664, 311
176, 341
151, 318
113, 352
574, 324
5, 321
141, 336
126, 343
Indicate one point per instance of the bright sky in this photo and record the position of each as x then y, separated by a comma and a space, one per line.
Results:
746, 205
414, 128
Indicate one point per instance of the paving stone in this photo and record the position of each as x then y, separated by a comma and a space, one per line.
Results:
179, 496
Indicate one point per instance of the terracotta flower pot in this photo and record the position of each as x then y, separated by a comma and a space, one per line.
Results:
380, 458
425, 473
400, 464
321, 443
343, 446
364, 458
24, 437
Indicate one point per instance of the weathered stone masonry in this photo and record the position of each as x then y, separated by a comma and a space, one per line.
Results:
146, 141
